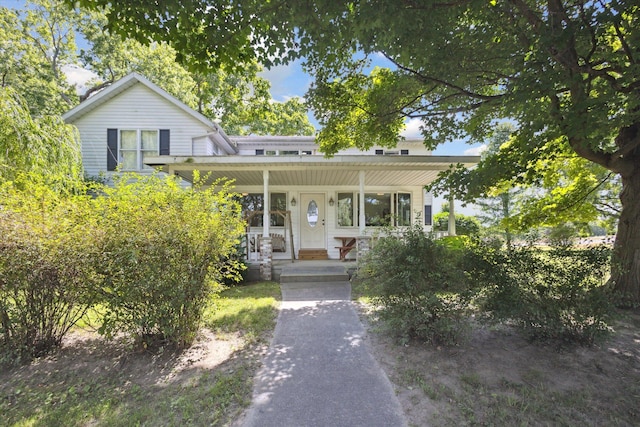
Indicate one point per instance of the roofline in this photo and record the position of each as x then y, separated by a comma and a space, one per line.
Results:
427, 162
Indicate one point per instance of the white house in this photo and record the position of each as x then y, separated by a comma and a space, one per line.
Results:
299, 204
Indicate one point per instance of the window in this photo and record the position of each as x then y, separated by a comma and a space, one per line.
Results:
259, 152
135, 146
289, 152
377, 209
345, 210
278, 203
403, 209
379, 152
380, 209
404, 152
254, 202
271, 152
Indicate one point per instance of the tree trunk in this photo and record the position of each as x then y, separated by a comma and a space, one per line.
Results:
625, 266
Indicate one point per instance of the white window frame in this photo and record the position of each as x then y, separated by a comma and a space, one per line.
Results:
139, 151
356, 207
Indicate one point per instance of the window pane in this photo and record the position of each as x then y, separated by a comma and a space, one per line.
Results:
129, 160
345, 209
250, 204
377, 209
128, 140
403, 211
312, 213
149, 140
278, 203
146, 154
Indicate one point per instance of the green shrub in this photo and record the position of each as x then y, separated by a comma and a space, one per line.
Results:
558, 294
465, 224
47, 281
164, 252
418, 288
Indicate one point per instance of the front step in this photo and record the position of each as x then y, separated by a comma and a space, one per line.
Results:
308, 274
312, 254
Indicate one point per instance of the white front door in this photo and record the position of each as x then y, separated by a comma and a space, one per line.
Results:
312, 220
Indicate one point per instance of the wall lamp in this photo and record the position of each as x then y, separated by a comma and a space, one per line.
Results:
293, 201
331, 202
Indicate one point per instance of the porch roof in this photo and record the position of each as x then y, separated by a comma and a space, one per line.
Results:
307, 170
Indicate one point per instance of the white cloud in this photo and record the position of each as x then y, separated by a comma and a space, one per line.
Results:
287, 81
412, 129
475, 151
78, 76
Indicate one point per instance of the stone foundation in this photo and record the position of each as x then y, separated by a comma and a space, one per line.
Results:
266, 258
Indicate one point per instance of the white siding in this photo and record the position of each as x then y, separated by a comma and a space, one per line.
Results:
136, 108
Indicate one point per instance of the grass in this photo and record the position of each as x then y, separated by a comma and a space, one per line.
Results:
98, 383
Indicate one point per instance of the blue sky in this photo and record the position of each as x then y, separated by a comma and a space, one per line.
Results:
290, 80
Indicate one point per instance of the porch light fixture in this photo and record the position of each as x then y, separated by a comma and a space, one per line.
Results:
331, 202
293, 201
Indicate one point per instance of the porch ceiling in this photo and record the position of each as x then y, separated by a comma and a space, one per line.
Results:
314, 170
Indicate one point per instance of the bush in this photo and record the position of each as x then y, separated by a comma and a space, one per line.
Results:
465, 224
164, 252
47, 281
417, 286
552, 295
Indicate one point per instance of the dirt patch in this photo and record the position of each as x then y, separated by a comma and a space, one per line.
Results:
498, 378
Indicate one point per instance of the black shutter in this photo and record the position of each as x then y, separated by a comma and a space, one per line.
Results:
164, 142
112, 149
427, 215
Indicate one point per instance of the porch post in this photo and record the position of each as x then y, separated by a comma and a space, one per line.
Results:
452, 217
267, 204
361, 218
266, 246
363, 242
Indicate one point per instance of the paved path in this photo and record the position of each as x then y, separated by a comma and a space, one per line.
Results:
318, 371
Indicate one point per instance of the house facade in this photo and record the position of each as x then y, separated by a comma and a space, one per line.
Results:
298, 204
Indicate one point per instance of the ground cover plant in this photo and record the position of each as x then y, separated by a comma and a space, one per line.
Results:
91, 381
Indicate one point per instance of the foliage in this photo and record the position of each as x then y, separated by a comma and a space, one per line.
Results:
417, 286
163, 253
465, 224
40, 43
44, 146
108, 384
563, 71
47, 280
558, 294
562, 235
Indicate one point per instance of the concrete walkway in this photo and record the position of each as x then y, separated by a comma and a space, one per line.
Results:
318, 371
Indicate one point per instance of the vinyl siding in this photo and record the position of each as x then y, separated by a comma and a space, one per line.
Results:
136, 108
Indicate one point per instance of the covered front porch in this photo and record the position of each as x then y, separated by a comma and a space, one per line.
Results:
311, 203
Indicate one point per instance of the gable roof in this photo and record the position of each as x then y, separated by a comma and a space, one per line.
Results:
132, 79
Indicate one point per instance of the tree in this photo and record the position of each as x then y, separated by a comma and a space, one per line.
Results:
565, 71
45, 147
35, 45
498, 210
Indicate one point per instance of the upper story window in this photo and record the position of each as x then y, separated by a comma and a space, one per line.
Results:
135, 146
127, 149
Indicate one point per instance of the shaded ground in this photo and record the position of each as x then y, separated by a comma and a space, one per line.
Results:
92, 382
498, 378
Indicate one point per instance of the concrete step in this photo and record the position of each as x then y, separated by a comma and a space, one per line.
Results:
309, 274
316, 291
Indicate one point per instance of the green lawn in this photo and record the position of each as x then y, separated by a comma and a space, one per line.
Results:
98, 383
